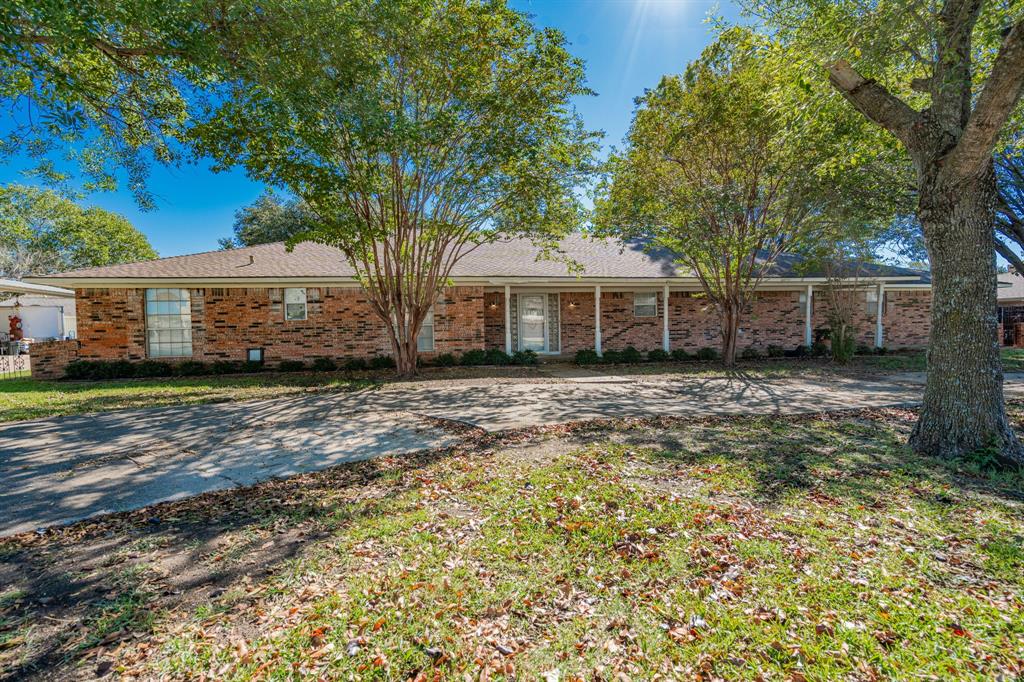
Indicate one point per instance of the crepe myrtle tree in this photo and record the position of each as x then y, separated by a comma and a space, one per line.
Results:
443, 126
943, 79
724, 168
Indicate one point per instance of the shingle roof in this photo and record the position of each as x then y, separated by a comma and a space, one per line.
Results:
1011, 287
599, 258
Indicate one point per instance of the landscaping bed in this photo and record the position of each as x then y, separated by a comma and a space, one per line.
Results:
815, 547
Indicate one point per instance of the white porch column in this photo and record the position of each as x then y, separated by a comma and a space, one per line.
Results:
597, 319
878, 318
808, 311
665, 344
508, 319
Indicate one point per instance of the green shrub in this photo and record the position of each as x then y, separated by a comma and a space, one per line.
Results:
819, 349
611, 357
356, 364
153, 368
680, 355
525, 357
800, 351
657, 355
496, 356
776, 351
291, 366
474, 357
750, 353
631, 355
251, 367
707, 354
446, 360
382, 362
225, 367
881, 350
587, 356
324, 365
863, 349
77, 369
190, 368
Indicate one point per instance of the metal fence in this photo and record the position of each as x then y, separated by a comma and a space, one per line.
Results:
14, 366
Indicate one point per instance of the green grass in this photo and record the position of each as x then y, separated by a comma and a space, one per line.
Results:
30, 399
750, 548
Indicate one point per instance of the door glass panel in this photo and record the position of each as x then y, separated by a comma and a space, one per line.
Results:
531, 322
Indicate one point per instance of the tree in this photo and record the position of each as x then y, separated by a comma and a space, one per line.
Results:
724, 168
267, 220
101, 88
1010, 207
444, 125
943, 79
42, 232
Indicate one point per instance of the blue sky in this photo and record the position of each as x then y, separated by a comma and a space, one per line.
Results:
627, 45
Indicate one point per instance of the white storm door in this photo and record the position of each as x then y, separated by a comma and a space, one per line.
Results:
532, 322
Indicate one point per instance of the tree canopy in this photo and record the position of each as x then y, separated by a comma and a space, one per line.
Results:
414, 131
269, 219
727, 167
42, 232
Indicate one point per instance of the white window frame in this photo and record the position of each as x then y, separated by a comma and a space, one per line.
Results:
304, 303
872, 302
168, 332
653, 305
428, 323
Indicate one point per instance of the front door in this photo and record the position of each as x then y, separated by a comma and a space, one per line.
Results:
532, 322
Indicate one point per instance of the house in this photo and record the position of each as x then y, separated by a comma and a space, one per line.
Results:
266, 302
1010, 298
44, 312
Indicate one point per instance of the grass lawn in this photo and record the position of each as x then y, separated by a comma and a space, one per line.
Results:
747, 548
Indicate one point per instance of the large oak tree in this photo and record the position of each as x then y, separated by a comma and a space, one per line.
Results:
942, 78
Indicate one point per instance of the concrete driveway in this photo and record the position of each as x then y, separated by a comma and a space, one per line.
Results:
59, 470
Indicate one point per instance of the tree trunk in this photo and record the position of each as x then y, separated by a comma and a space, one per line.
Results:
730, 329
963, 409
406, 356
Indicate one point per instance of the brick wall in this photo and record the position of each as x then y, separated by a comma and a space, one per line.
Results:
49, 358
339, 324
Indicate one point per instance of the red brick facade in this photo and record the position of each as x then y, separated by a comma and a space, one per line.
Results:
340, 323
49, 358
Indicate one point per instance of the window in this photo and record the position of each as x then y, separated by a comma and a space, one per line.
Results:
645, 304
425, 340
873, 302
168, 323
295, 304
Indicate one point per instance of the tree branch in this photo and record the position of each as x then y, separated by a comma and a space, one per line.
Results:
874, 101
1011, 257
996, 103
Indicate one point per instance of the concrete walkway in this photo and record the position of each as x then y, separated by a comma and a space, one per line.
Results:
58, 470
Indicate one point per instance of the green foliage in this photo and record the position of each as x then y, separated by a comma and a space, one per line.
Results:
381, 362
526, 358
630, 355
446, 360
291, 366
750, 353
191, 368
819, 349
414, 130
611, 357
153, 368
844, 343
657, 355
496, 356
587, 356
474, 357
863, 349
42, 232
225, 367
269, 219
356, 364
775, 351
324, 365
708, 354
680, 355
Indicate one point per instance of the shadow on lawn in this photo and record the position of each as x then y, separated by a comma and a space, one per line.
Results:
90, 586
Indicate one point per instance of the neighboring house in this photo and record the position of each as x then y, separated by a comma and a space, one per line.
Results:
1010, 296
45, 312
303, 304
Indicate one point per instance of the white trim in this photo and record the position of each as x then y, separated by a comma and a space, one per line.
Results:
597, 319
878, 316
666, 344
508, 319
546, 350
808, 314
